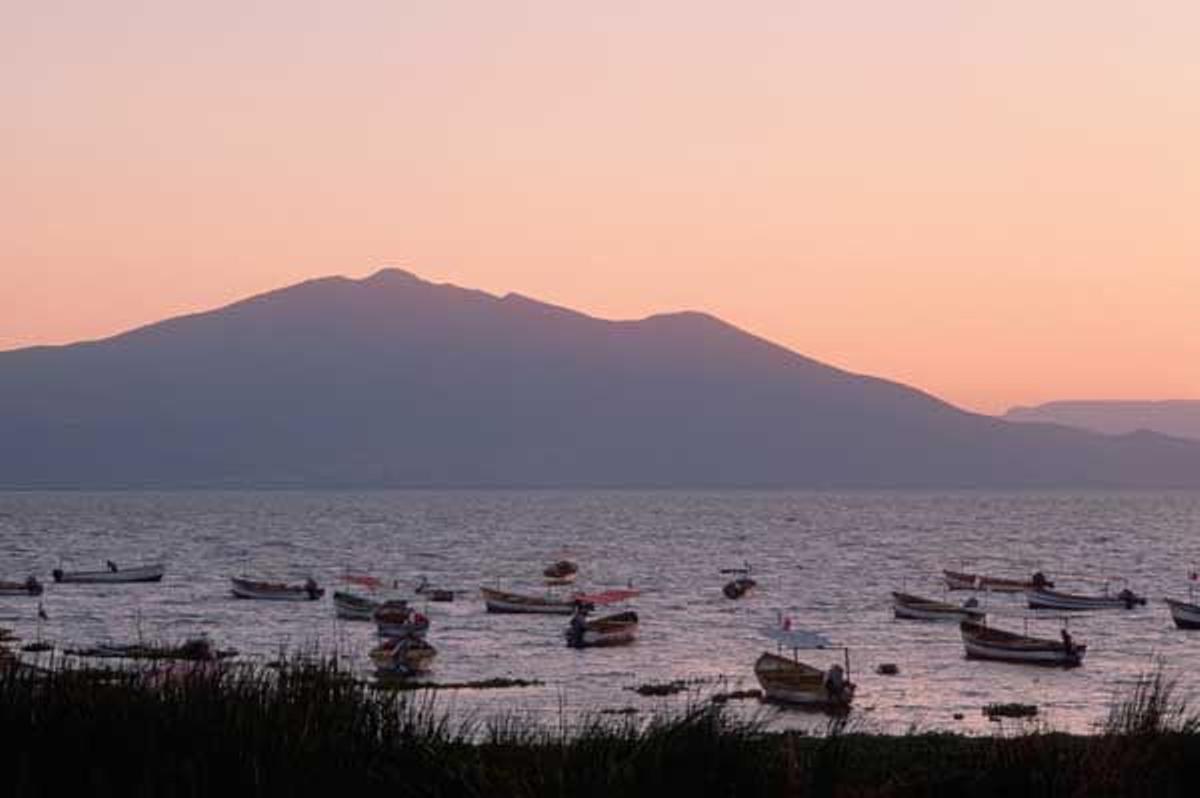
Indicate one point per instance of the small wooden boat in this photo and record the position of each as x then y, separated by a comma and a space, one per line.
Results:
984, 642
396, 619
30, 587
739, 587
245, 588
612, 630
402, 656
433, 593
112, 574
499, 601
790, 681
1045, 599
956, 580
352, 607
915, 608
560, 573
1186, 616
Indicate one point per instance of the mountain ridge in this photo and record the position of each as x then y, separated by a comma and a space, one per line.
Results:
393, 381
1178, 418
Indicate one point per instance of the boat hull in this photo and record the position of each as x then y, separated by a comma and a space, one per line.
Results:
143, 573
28, 588
1185, 616
956, 580
788, 682
402, 657
912, 608
615, 630
265, 591
350, 607
981, 642
739, 588
510, 603
1053, 600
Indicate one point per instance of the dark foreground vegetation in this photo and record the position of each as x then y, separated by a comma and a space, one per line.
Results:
303, 730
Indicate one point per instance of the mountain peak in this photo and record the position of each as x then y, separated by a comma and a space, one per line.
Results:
392, 275
391, 380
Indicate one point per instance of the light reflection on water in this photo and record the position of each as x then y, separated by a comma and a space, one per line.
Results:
829, 560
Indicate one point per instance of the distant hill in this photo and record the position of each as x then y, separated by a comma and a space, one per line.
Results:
393, 381
1180, 418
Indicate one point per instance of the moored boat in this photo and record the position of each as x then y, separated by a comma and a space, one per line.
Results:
611, 630
1045, 599
352, 607
402, 656
915, 608
1185, 615
560, 573
737, 588
112, 574
790, 681
500, 601
985, 642
245, 588
433, 593
30, 587
957, 580
396, 619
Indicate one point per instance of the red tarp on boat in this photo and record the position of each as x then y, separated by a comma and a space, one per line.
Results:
371, 582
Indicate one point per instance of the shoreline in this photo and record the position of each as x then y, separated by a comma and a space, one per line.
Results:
300, 727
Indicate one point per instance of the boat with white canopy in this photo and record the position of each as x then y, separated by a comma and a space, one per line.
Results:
790, 681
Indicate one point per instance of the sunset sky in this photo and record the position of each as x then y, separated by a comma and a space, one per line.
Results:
997, 202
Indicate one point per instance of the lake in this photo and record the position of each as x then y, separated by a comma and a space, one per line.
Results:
828, 560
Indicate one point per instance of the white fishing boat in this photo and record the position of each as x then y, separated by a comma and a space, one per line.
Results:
112, 575
402, 656
499, 601
789, 681
245, 588
396, 619
984, 642
915, 608
1185, 615
1045, 599
958, 580
30, 587
352, 607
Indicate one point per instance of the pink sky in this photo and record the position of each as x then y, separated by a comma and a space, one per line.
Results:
994, 201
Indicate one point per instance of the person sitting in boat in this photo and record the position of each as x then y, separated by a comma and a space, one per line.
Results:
578, 623
310, 587
1128, 597
1068, 643
1039, 580
835, 681
112, 566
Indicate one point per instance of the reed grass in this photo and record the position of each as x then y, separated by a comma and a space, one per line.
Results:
307, 727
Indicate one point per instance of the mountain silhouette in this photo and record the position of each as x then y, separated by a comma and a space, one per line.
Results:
1179, 417
394, 381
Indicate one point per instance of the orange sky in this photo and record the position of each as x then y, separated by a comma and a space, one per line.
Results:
994, 201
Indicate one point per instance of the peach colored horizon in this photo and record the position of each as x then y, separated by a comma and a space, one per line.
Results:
991, 202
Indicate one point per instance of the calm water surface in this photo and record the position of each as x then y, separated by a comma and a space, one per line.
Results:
829, 560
